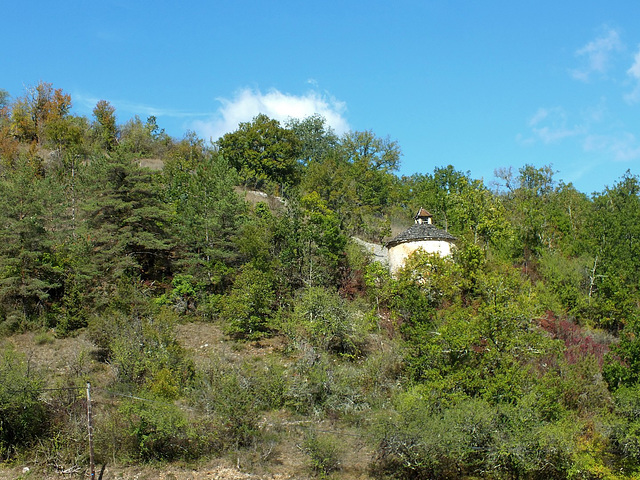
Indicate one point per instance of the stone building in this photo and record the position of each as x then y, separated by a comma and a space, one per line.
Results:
422, 234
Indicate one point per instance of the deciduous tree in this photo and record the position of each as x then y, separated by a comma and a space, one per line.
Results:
262, 151
40, 106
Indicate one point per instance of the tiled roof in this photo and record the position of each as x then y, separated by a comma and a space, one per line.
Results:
421, 231
422, 213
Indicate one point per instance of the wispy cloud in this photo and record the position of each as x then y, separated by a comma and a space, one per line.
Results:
247, 103
621, 147
549, 125
86, 103
597, 55
634, 73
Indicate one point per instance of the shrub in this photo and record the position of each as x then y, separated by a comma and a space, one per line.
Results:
472, 438
183, 294
325, 321
235, 394
43, 338
324, 452
248, 308
322, 385
161, 431
23, 416
625, 433
144, 351
67, 443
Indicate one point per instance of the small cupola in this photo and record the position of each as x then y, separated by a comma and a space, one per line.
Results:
423, 217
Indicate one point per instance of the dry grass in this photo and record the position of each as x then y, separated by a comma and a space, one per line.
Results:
204, 472
280, 458
151, 163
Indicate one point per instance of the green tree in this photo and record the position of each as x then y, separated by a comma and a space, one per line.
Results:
143, 139
565, 279
255, 239
327, 322
614, 232
104, 127
332, 178
40, 106
423, 284
248, 308
477, 215
310, 243
28, 271
438, 192
8, 142
208, 215
626, 430
4, 99
570, 216
374, 161
263, 152
528, 201
622, 365
316, 138
356, 180
128, 222
185, 154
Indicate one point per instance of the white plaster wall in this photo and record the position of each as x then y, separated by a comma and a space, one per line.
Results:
398, 254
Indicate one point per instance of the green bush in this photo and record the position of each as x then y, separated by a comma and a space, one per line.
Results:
144, 351
235, 394
23, 415
625, 433
155, 430
14, 322
247, 310
472, 439
325, 320
324, 452
183, 294
67, 442
320, 385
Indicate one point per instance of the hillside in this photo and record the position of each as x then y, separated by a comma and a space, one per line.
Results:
66, 357
217, 300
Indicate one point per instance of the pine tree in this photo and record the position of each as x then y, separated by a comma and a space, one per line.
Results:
128, 222
28, 273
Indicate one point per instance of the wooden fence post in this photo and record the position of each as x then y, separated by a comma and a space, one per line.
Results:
90, 427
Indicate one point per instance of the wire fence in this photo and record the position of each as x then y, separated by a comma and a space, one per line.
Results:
304, 424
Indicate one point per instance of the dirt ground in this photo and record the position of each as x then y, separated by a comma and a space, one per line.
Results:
145, 473
294, 467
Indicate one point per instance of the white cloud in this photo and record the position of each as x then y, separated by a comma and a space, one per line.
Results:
634, 73
550, 125
551, 135
525, 141
597, 54
622, 147
247, 103
539, 116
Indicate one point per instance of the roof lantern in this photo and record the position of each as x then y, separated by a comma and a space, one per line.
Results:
423, 217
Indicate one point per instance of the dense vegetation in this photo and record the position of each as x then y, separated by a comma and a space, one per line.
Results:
517, 358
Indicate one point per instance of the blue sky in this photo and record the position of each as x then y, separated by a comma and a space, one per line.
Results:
478, 85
